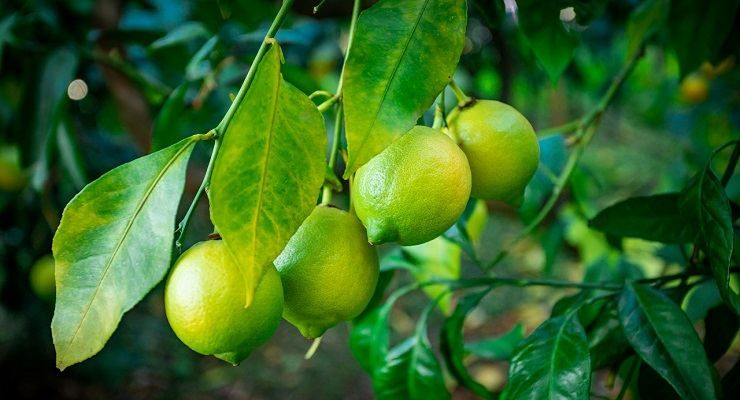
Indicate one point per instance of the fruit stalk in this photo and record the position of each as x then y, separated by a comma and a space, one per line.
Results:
220, 129
327, 192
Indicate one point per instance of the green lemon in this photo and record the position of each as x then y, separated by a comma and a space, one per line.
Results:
41, 278
501, 147
414, 190
329, 271
204, 302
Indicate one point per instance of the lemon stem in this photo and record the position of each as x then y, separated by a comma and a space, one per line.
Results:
220, 129
439, 111
462, 98
312, 350
327, 192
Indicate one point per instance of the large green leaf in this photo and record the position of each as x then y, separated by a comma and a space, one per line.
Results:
370, 335
705, 204
662, 335
551, 42
113, 245
411, 371
646, 19
655, 218
552, 363
269, 171
403, 54
453, 346
692, 36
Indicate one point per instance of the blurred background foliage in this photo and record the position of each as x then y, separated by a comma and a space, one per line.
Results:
86, 85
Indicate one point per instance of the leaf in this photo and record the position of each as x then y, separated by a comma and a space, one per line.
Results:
553, 45
436, 259
499, 348
692, 38
167, 125
646, 19
656, 218
705, 204
181, 34
370, 334
453, 346
403, 54
662, 335
411, 371
721, 326
69, 152
6, 32
468, 228
606, 340
269, 171
552, 363
198, 66
112, 246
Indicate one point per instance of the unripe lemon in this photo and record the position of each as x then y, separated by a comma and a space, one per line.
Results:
501, 146
204, 302
694, 88
329, 271
413, 190
41, 278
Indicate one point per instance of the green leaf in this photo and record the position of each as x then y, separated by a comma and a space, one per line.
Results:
693, 37
469, 227
646, 19
198, 66
720, 326
69, 152
183, 33
655, 218
167, 125
499, 348
662, 335
113, 245
436, 259
269, 171
403, 54
553, 45
453, 346
370, 334
705, 204
552, 363
606, 341
411, 371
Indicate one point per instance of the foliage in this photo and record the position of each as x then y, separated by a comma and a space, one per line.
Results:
630, 221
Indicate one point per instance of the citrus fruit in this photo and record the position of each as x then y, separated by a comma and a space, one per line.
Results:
413, 190
41, 278
694, 88
329, 271
501, 147
204, 302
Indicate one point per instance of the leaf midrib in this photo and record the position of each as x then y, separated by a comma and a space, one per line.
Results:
123, 237
367, 132
662, 342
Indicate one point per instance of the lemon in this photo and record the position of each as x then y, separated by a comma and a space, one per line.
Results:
329, 271
413, 190
204, 302
694, 89
501, 147
41, 278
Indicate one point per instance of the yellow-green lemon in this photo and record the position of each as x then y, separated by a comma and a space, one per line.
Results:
329, 271
413, 190
204, 302
41, 278
501, 147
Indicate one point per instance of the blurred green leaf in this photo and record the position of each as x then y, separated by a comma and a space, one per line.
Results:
183, 33
113, 245
453, 347
662, 335
6, 34
436, 259
168, 124
553, 45
198, 66
258, 200
646, 19
705, 204
403, 54
552, 363
69, 152
655, 218
499, 348
369, 336
693, 37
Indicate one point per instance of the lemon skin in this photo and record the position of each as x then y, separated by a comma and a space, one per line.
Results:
329, 271
204, 303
